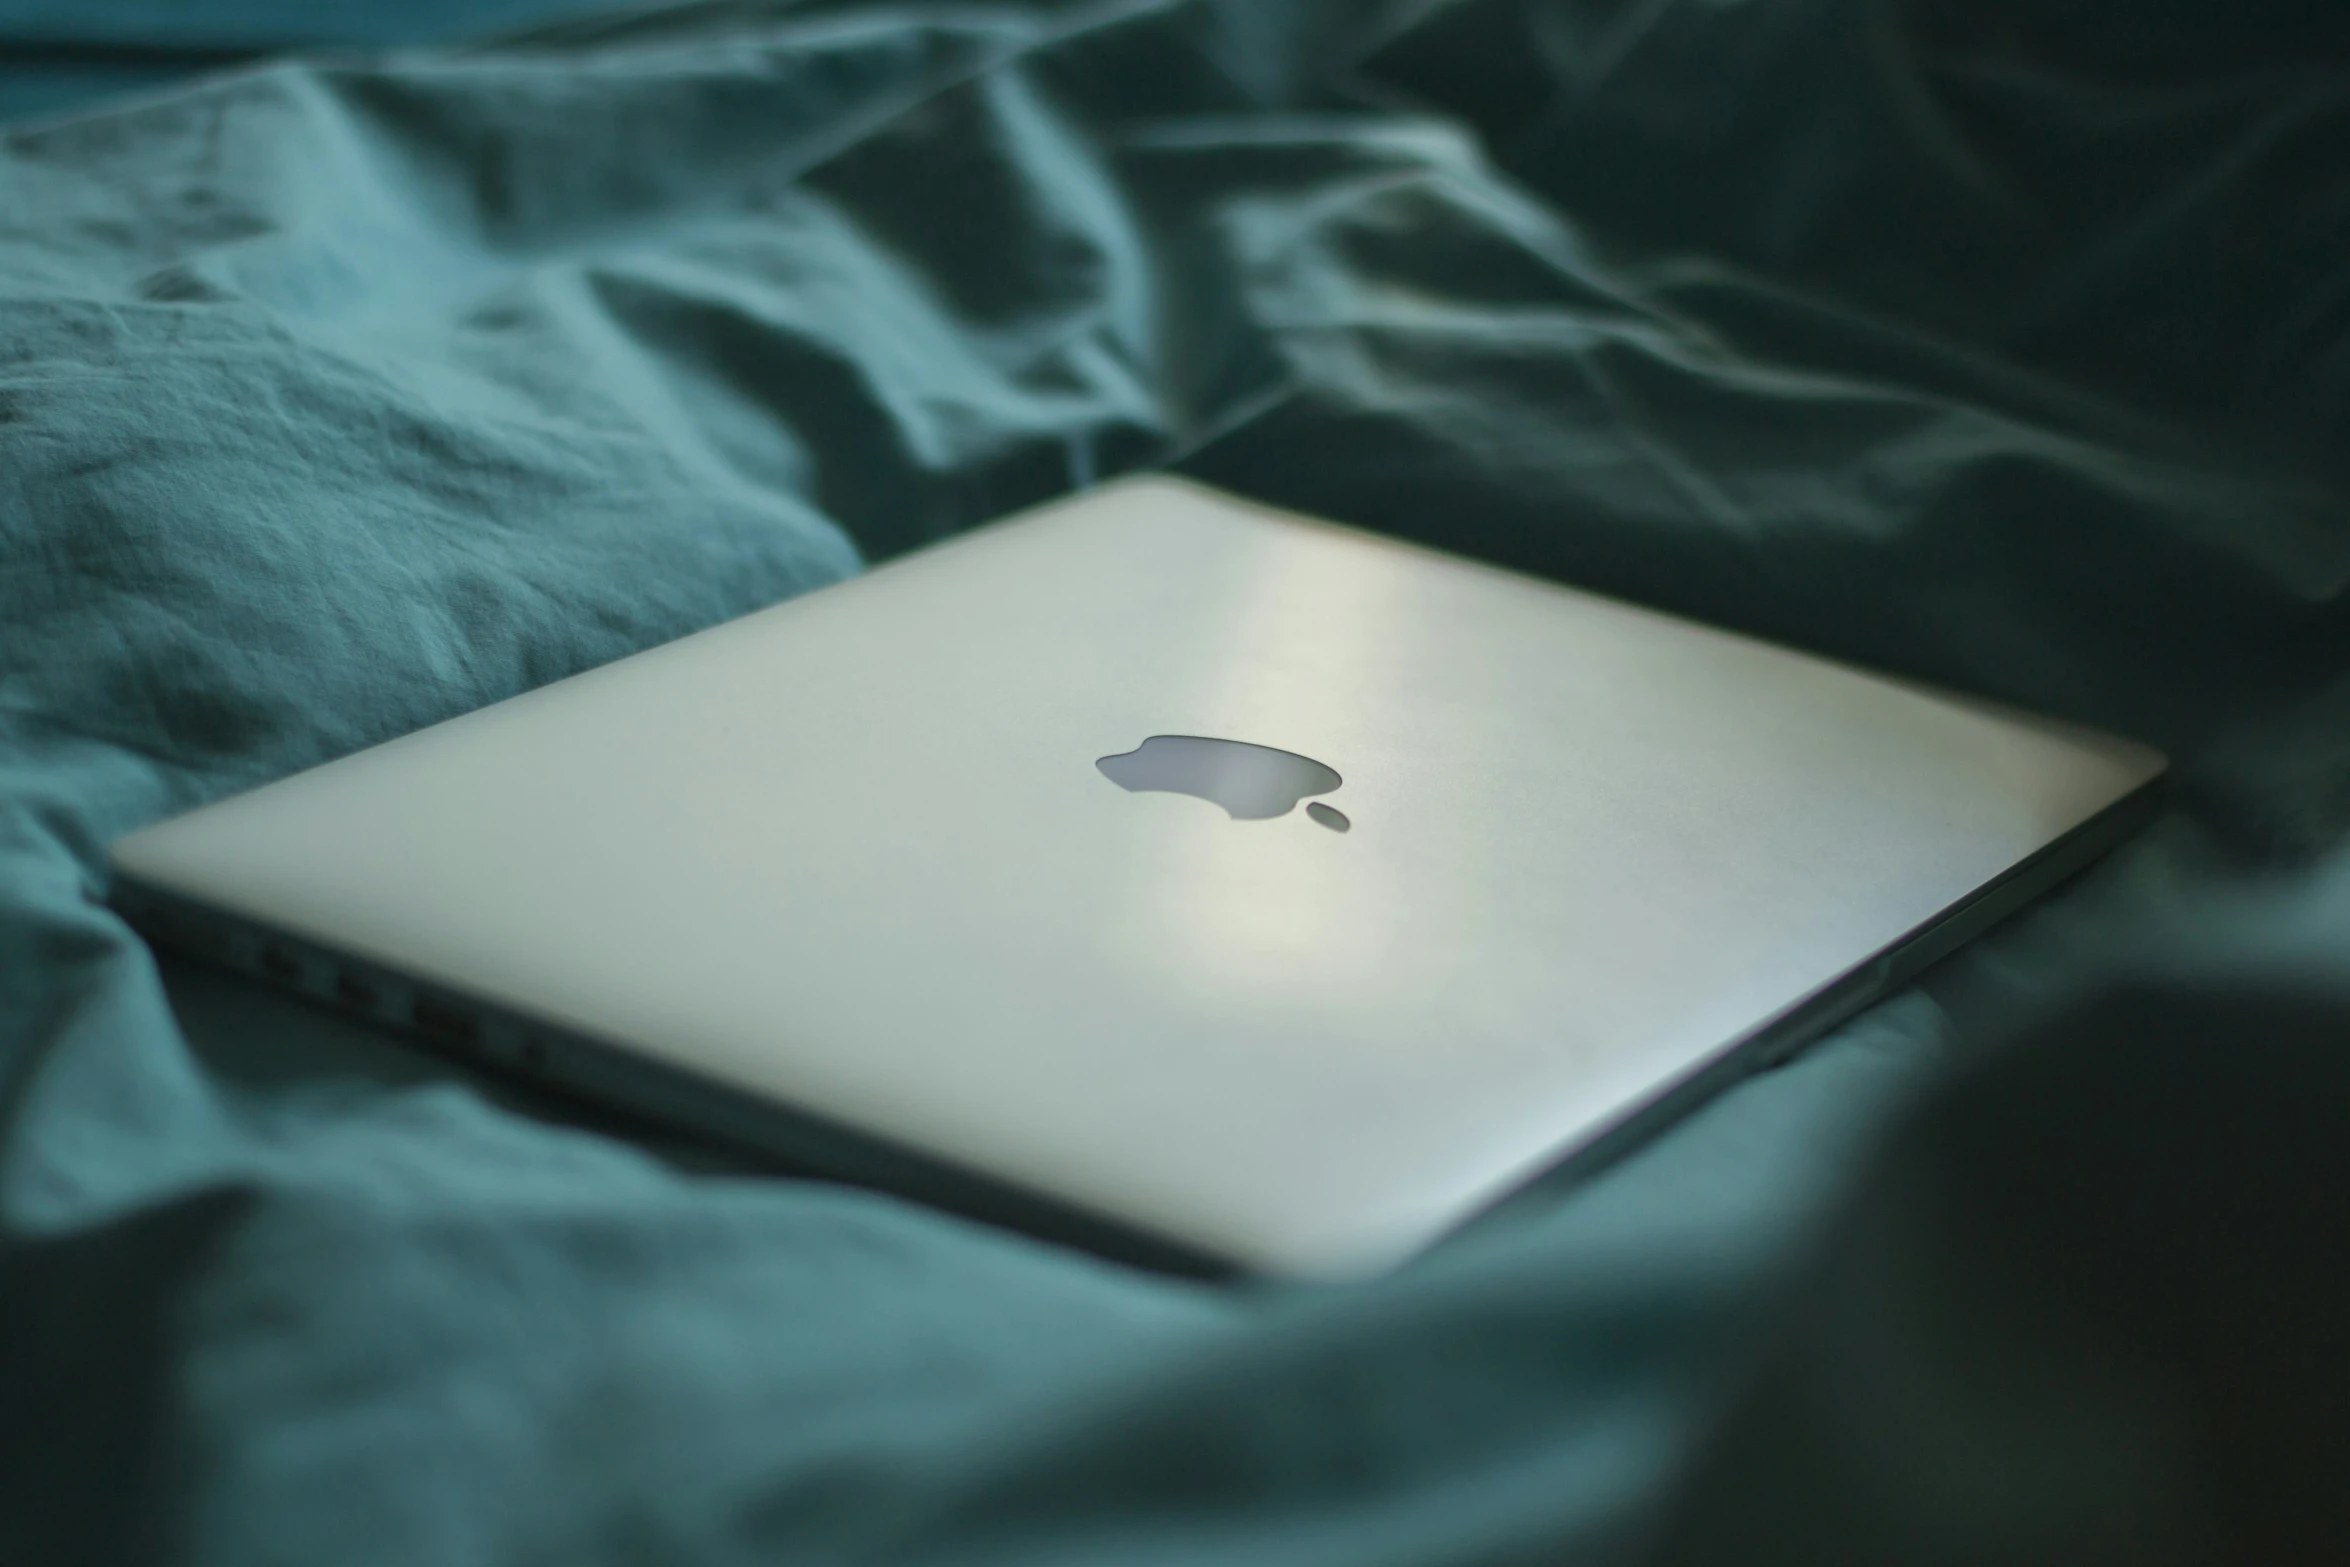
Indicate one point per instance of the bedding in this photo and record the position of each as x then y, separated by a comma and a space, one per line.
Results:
2002, 346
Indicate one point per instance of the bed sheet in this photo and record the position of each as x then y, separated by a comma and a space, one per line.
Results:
344, 394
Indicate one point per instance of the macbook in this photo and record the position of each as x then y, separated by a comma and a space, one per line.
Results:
1203, 884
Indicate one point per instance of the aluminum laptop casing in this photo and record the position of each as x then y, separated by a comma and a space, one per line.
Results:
842, 877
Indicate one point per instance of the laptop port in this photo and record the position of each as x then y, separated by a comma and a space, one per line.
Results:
356, 993
445, 1022
203, 939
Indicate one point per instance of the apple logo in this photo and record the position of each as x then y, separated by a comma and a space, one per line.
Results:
1253, 783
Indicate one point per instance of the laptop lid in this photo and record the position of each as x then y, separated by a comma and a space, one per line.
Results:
1469, 870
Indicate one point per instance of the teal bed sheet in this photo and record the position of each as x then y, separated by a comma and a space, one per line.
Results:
2003, 346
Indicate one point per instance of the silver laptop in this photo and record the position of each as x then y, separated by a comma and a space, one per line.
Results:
1200, 883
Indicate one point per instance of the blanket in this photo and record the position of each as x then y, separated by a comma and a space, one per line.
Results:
2004, 346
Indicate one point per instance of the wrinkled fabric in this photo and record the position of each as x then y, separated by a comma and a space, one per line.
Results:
62, 55
340, 397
